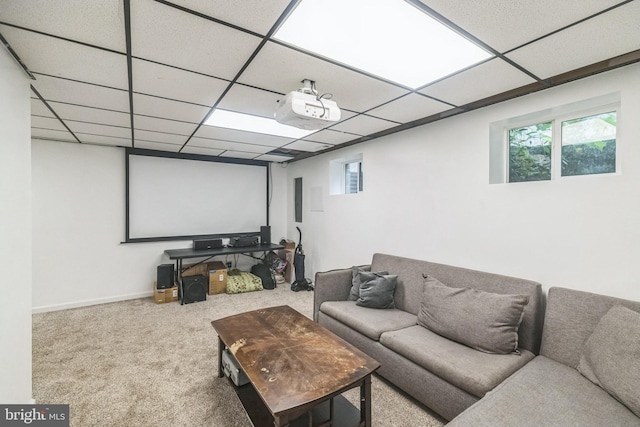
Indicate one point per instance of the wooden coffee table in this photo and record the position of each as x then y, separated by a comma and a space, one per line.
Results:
297, 369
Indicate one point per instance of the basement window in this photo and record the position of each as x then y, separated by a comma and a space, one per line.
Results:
346, 175
571, 140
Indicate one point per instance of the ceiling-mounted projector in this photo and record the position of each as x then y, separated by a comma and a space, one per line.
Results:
305, 109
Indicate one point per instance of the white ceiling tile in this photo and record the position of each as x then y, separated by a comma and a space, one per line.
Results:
73, 92
250, 100
90, 115
505, 25
239, 154
164, 108
163, 125
93, 129
47, 123
99, 23
48, 55
165, 138
241, 136
155, 79
490, 78
52, 134
408, 108
164, 34
307, 146
254, 15
364, 125
104, 140
201, 150
282, 70
229, 145
332, 136
276, 158
39, 109
603, 37
148, 145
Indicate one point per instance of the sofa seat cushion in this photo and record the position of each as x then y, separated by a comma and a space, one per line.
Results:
370, 322
546, 393
471, 370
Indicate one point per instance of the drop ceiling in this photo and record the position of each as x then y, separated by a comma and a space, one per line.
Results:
147, 73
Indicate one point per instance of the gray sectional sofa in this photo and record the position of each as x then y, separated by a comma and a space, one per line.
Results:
550, 380
445, 375
551, 391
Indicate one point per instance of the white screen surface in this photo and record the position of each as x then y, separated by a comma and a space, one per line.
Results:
170, 197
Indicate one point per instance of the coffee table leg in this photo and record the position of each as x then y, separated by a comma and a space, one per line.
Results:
220, 348
365, 401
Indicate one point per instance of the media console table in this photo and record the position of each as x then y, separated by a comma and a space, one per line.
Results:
181, 254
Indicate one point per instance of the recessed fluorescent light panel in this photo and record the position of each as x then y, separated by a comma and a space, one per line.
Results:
388, 38
249, 123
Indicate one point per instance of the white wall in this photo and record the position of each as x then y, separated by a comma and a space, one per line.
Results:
427, 195
278, 202
78, 226
15, 233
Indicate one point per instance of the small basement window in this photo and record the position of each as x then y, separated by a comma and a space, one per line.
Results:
345, 175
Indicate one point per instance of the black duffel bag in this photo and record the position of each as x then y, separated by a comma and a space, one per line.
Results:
264, 273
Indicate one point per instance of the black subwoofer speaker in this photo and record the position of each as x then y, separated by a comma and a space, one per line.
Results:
265, 235
193, 289
165, 276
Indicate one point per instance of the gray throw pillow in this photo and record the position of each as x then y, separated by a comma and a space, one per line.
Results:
377, 292
611, 356
482, 320
358, 277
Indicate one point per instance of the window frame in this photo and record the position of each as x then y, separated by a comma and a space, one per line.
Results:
358, 175
499, 136
581, 115
508, 149
338, 174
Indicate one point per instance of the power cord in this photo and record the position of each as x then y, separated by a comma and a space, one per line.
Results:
320, 97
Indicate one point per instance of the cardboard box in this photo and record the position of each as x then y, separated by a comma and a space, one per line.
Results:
195, 269
217, 277
162, 296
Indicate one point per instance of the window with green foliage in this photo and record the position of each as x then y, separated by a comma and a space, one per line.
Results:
530, 153
589, 145
578, 146
562, 141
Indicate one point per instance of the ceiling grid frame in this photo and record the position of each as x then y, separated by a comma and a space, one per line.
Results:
374, 116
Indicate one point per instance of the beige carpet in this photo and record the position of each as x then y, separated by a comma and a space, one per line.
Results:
136, 363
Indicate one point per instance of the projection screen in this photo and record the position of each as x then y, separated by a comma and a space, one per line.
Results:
174, 196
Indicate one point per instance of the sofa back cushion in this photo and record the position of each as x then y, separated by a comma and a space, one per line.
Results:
610, 357
410, 286
482, 320
570, 319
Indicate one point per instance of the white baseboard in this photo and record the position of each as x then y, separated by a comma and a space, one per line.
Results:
85, 303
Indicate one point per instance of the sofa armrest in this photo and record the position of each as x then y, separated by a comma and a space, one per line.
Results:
332, 285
